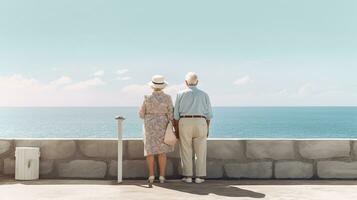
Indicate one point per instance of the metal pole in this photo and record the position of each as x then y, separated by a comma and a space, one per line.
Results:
120, 120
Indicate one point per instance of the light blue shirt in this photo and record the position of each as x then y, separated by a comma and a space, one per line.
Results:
192, 101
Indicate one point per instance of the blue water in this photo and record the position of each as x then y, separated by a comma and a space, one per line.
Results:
229, 122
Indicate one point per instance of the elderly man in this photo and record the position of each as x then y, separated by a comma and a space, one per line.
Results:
192, 114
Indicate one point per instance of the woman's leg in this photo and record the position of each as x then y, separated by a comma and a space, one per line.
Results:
150, 161
162, 164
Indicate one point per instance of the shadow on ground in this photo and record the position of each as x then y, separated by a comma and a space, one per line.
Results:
220, 188
225, 189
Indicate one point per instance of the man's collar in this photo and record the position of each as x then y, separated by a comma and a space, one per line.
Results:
192, 86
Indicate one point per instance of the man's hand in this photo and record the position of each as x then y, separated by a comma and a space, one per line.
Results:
208, 123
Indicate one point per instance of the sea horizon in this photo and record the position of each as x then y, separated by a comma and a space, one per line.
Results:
228, 122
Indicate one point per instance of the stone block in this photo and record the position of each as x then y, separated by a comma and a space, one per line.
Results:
293, 170
135, 150
9, 166
337, 170
46, 167
82, 169
225, 149
135, 169
1, 166
113, 168
170, 168
99, 148
51, 149
324, 149
4, 146
129, 173
273, 149
252, 170
175, 153
355, 148
214, 169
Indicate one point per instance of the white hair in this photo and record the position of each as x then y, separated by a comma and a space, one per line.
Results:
191, 78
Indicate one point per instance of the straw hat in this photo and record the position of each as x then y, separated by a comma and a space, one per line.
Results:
158, 82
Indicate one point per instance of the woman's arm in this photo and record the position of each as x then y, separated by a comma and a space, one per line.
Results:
142, 110
170, 109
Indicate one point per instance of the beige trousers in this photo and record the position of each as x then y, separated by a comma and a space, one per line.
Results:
193, 141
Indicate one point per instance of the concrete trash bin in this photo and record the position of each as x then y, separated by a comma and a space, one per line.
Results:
27, 163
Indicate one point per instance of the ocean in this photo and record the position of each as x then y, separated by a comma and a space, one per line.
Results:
228, 122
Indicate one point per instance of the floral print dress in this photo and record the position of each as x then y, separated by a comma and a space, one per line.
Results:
156, 110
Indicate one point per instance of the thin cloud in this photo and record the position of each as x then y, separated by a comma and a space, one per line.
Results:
125, 78
17, 90
99, 73
86, 84
122, 71
121, 75
19, 82
305, 89
244, 80
283, 92
64, 80
309, 89
135, 89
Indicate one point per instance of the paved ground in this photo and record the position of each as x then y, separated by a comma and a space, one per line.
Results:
138, 190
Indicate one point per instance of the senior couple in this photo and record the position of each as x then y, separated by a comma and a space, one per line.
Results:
191, 118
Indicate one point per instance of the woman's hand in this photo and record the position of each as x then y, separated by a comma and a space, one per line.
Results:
176, 127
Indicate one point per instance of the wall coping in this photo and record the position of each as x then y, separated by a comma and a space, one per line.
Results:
224, 139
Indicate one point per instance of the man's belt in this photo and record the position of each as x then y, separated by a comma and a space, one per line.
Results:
192, 116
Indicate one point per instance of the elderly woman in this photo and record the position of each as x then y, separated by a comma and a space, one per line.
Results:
157, 111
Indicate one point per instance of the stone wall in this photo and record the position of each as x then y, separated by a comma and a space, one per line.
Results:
227, 158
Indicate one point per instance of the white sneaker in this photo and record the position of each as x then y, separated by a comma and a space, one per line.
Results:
187, 179
199, 180
162, 179
151, 179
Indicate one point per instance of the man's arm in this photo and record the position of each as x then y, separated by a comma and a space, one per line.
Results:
208, 123
209, 113
209, 108
177, 116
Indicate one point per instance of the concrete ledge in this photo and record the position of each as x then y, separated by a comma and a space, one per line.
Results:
255, 170
337, 170
100, 149
354, 146
9, 166
324, 149
225, 149
46, 167
293, 170
4, 146
215, 169
134, 169
51, 149
227, 158
82, 169
135, 149
276, 150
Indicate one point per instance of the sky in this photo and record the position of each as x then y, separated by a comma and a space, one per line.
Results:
246, 53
